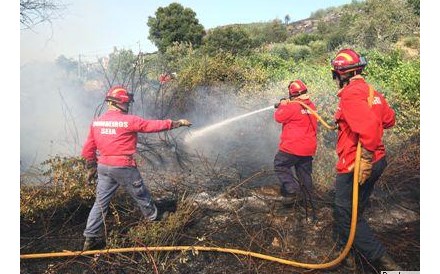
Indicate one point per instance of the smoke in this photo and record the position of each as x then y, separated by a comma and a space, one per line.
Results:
55, 112
248, 144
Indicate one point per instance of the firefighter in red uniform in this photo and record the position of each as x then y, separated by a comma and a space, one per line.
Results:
108, 151
362, 115
297, 143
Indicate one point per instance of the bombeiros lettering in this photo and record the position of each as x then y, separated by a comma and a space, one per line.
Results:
108, 131
376, 100
113, 124
305, 111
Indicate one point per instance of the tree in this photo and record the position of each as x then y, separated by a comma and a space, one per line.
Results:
34, 12
286, 19
276, 31
174, 24
121, 67
228, 39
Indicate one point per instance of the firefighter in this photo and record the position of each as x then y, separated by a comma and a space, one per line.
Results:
108, 152
297, 143
360, 117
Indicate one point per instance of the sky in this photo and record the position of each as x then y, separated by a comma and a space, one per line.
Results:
93, 28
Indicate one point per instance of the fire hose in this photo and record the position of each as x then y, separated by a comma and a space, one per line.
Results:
314, 113
330, 264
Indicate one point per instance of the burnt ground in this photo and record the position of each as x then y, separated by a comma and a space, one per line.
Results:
242, 216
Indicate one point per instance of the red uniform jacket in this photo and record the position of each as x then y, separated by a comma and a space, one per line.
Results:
298, 135
112, 137
357, 120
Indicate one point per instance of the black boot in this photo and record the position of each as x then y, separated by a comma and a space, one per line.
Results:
289, 199
387, 263
94, 243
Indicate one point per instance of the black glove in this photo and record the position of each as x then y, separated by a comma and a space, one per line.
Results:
91, 171
283, 101
181, 123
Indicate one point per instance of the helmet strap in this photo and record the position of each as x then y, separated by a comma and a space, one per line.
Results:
344, 78
343, 82
298, 94
125, 110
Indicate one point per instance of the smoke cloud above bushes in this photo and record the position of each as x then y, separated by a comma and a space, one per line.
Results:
55, 113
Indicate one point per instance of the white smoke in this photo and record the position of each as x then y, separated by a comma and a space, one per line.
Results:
55, 112
248, 143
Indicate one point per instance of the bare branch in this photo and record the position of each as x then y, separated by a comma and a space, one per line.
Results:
34, 12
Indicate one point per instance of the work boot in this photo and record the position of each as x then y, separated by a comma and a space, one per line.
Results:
94, 243
151, 213
288, 199
388, 264
161, 216
157, 214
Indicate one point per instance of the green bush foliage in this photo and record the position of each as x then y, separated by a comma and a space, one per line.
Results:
304, 39
275, 67
396, 74
265, 33
290, 51
230, 39
382, 23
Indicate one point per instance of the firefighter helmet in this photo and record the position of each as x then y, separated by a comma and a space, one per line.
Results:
347, 60
119, 97
297, 88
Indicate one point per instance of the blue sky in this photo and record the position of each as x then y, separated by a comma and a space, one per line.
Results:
93, 28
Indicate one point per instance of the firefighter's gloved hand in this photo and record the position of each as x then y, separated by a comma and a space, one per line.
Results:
181, 123
366, 165
92, 168
284, 101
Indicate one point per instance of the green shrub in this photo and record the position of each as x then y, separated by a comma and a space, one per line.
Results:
304, 39
290, 51
231, 39
396, 74
301, 53
318, 48
335, 40
273, 65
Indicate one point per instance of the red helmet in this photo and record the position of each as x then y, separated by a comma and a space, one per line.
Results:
347, 60
119, 95
297, 88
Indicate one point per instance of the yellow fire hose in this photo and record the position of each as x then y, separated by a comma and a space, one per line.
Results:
315, 114
330, 264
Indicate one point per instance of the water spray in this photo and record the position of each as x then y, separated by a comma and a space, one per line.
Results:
198, 133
